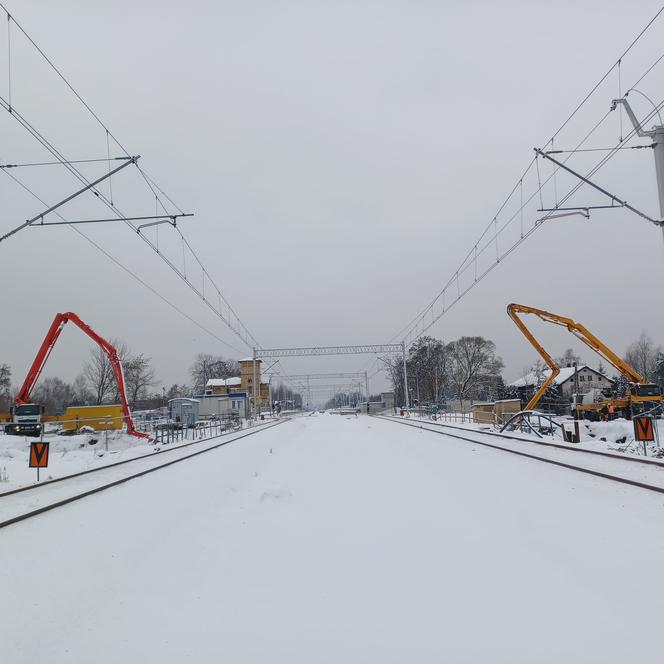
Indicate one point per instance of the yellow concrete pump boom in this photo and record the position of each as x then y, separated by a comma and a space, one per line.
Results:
580, 332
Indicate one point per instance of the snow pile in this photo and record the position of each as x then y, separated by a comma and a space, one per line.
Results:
617, 435
67, 454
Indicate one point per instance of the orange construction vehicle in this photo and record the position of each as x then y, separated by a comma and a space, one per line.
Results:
639, 395
26, 418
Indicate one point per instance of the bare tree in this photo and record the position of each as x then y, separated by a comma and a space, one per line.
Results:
208, 366
282, 395
175, 391
99, 373
5, 386
568, 359
659, 374
642, 355
428, 366
394, 366
475, 366
139, 376
54, 394
81, 393
539, 372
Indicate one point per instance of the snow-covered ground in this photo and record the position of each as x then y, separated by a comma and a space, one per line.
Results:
72, 454
67, 454
341, 539
614, 436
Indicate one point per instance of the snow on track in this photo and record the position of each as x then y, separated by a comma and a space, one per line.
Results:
333, 539
40, 496
636, 469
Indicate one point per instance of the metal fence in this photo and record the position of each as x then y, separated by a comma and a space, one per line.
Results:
168, 433
163, 430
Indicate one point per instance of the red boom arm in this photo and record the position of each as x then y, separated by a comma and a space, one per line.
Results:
45, 349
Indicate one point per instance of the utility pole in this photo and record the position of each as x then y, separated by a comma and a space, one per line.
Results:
254, 390
656, 134
405, 374
576, 391
577, 436
366, 385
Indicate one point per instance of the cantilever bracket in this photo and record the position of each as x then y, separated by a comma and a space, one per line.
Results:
580, 207
581, 211
164, 219
41, 215
102, 221
640, 131
615, 199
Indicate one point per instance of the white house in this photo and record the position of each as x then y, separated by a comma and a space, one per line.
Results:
588, 379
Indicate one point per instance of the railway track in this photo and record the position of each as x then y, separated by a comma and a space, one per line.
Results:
171, 448
643, 473
44, 497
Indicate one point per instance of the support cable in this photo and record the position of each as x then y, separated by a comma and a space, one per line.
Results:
412, 329
237, 328
9, 60
126, 269
607, 74
79, 176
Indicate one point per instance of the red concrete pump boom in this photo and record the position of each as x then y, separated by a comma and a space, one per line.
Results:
52, 335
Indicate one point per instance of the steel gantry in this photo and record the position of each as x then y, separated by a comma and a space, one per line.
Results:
356, 377
367, 349
322, 376
264, 353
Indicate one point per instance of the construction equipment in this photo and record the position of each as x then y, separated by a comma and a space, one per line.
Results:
60, 320
24, 419
638, 395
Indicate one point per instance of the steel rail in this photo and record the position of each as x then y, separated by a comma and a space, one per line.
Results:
609, 455
122, 480
561, 464
170, 448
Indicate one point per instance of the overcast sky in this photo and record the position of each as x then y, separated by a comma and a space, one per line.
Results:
340, 157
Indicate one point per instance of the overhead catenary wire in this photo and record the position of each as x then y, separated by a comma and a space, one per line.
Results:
11, 19
411, 329
9, 60
607, 74
235, 323
123, 267
100, 195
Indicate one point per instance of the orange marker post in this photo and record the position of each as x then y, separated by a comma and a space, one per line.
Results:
643, 429
39, 456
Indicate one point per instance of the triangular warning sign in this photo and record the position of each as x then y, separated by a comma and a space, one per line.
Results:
39, 455
643, 429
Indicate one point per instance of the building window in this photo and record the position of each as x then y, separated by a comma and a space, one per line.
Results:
582, 378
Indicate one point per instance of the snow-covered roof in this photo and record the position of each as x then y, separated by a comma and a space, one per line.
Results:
223, 382
565, 374
250, 359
